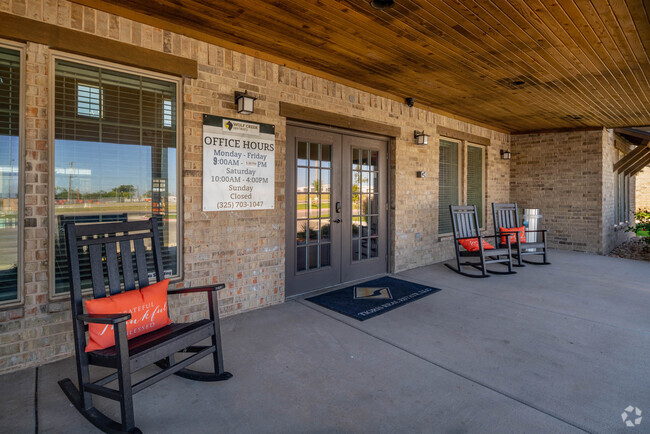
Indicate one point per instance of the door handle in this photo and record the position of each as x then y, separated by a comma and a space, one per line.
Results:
336, 221
338, 207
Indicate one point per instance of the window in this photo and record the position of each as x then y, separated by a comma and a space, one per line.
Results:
115, 155
461, 179
448, 189
622, 196
474, 179
10, 176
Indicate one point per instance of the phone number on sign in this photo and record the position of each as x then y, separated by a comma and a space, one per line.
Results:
240, 204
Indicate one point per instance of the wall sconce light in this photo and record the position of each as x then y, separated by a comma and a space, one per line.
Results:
505, 154
421, 138
245, 103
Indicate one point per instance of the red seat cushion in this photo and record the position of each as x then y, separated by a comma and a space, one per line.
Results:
471, 244
513, 237
147, 306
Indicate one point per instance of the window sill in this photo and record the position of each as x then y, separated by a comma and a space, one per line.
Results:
619, 226
15, 305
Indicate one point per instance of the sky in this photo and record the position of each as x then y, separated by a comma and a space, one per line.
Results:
104, 166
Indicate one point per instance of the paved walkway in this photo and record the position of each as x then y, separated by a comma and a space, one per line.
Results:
561, 348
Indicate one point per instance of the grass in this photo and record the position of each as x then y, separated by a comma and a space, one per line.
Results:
313, 206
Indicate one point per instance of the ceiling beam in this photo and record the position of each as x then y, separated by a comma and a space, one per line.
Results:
633, 157
73, 41
632, 132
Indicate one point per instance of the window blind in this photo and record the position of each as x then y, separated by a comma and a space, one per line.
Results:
448, 184
475, 180
9, 172
115, 155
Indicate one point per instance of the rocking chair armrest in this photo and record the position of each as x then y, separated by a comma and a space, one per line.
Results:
108, 318
537, 230
213, 288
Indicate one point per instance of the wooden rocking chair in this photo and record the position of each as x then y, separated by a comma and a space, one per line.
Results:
465, 226
506, 215
100, 242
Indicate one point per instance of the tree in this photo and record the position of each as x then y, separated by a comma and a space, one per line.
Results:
123, 191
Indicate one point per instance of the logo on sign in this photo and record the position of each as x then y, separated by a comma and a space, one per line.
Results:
631, 416
234, 126
366, 292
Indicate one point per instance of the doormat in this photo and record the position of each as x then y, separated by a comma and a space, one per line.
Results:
369, 299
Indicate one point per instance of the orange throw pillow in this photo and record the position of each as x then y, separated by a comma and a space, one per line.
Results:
513, 237
471, 244
147, 306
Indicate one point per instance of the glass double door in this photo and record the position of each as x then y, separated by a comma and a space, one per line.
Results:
336, 208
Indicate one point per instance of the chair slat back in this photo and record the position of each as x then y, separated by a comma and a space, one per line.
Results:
100, 241
141, 261
464, 221
505, 215
127, 265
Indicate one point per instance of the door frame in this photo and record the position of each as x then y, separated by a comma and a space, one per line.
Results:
390, 141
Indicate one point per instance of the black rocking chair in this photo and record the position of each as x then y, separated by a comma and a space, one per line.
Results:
100, 242
506, 215
464, 223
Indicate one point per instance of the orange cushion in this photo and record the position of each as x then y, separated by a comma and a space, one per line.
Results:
513, 237
147, 306
471, 244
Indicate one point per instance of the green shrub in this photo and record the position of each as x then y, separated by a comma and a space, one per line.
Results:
642, 226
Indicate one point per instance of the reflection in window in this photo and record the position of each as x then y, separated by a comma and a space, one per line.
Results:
9, 171
89, 100
167, 113
365, 193
313, 175
119, 165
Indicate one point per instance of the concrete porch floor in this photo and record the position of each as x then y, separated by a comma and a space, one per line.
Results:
559, 348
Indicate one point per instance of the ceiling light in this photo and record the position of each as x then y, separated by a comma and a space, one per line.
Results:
382, 4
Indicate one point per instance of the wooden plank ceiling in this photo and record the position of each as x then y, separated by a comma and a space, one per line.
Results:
518, 65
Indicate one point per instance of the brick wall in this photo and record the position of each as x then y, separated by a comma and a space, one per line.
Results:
613, 233
416, 216
245, 250
560, 174
569, 177
643, 189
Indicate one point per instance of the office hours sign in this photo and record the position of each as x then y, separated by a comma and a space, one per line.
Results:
238, 164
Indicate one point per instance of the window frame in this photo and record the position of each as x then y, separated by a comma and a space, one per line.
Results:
20, 290
178, 81
462, 146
